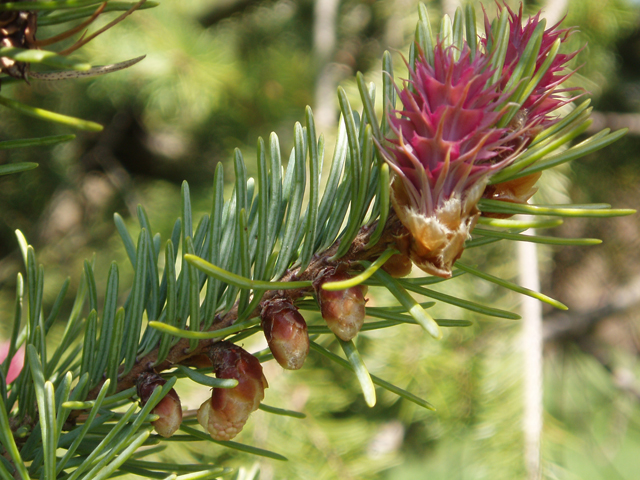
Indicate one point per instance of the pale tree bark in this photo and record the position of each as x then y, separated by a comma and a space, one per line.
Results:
324, 44
615, 121
449, 7
554, 11
532, 343
531, 311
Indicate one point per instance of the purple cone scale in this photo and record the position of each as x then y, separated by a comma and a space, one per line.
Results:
539, 107
448, 140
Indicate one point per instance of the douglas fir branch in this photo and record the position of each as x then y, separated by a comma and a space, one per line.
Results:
481, 116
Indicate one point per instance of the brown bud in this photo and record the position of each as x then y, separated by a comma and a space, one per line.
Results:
169, 408
226, 412
343, 310
197, 361
286, 333
398, 266
519, 190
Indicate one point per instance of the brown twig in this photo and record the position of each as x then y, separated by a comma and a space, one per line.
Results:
71, 31
84, 41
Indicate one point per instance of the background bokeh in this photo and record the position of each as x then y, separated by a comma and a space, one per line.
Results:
220, 74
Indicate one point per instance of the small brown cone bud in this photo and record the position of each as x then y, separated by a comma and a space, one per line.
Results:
169, 408
519, 190
286, 333
197, 361
226, 412
398, 266
343, 310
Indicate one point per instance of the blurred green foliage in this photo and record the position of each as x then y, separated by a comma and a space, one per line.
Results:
219, 74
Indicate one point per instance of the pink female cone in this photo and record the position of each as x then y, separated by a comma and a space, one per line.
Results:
449, 138
446, 146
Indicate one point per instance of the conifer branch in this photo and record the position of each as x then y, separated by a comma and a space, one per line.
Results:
181, 353
477, 126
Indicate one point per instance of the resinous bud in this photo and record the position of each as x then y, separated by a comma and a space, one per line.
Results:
518, 190
343, 310
226, 412
286, 333
398, 266
169, 409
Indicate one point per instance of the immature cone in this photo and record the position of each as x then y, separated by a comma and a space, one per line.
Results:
169, 408
446, 146
226, 412
449, 139
343, 310
286, 333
